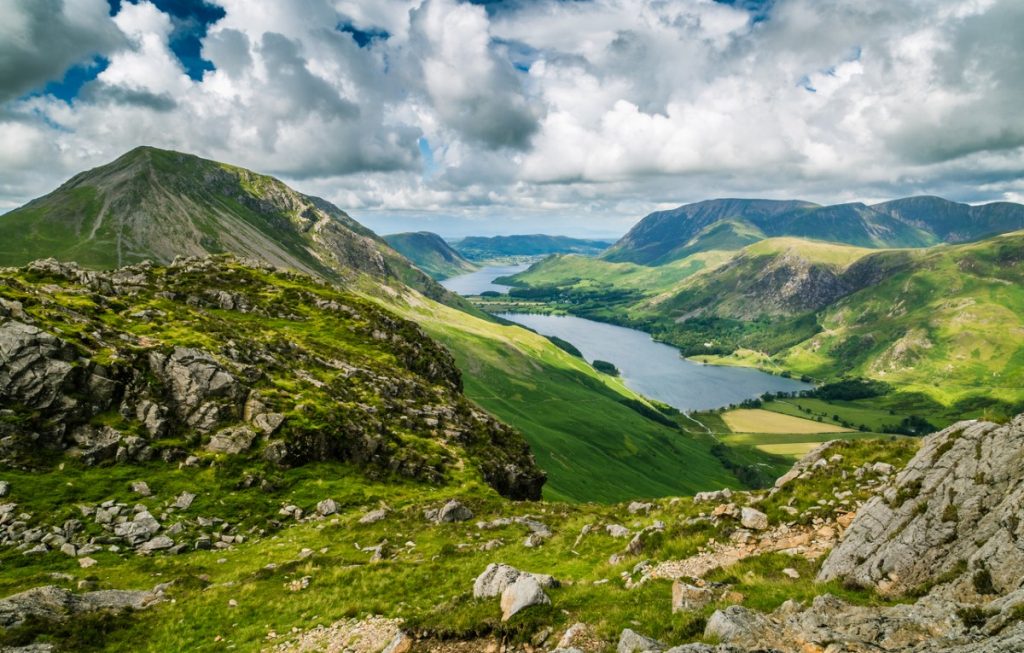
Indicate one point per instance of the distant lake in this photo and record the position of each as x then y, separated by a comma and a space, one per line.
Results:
482, 280
656, 370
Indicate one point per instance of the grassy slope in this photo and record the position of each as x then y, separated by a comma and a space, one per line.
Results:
593, 447
431, 254
949, 326
428, 583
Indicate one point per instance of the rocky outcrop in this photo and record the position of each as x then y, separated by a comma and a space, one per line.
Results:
50, 603
73, 379
953, 511
946, 528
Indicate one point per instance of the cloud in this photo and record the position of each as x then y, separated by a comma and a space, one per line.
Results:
540, 112
41, 39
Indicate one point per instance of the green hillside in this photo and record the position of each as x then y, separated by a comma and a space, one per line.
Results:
153, 204
430, 253
944, 322
731, 223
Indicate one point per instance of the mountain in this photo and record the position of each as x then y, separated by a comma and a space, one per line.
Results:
158, 205
953, 222
430, 253
153, 204
661, 236
482, 248
665, 236
943, 322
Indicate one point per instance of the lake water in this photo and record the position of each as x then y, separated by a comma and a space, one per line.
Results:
656, 370
482, 280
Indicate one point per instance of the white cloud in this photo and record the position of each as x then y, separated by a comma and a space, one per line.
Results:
591, 112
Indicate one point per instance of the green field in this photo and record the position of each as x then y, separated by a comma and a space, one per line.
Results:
756, 420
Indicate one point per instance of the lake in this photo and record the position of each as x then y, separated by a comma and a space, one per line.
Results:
482, 280
656, 370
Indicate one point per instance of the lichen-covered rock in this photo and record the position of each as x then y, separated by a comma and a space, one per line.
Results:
50, 603
954, 509
496, 577
632, 642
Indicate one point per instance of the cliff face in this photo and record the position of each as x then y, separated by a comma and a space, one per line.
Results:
209, 357
947, 529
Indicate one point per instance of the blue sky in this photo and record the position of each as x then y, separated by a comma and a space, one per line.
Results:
576, 117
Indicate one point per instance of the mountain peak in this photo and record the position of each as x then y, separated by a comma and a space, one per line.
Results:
155, 204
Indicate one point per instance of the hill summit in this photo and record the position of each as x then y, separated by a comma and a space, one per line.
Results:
153, 204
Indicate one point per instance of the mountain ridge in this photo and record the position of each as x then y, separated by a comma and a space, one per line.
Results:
430, 253
919, 221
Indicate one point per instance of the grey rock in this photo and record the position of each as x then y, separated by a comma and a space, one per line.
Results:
617, 530
957, 500
497, 577
636, 507
327, 507
5, 488
202, 391
141, 488
633, 642
156, 544
374, 516
50, 603
35, 367
523, 593
454, 511
738, 625
231, 440
141, 528
184, 501
753, 519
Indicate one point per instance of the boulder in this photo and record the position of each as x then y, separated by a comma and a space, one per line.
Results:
454, 511
327, 507
374, 516
496, 577
953, 512
523, 593
753, 519
141, 488
632, 642
738, 625
184, 501
231, 440
157, 543
201, 391
689, 598
50, 603
617, 530
141, 528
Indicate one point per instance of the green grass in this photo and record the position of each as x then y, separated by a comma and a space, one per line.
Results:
427, 583
593, 446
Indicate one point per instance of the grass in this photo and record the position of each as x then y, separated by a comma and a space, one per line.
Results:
756, 420
427, 576
579, 423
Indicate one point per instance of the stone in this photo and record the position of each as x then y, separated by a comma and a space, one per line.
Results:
374, 516
231, 440
632, 642
5, 488
184, 501
137, 531
792, 573
523, 593
637, 507
50, 603
955, 506
883, 468
454, 511
157, 543
753, 519
576, 634
690, 598
717, 496
617, 530
141, 488
736, 625
496, 577
327, 507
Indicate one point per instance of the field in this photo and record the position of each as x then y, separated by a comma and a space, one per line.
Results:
793, 445
756, 420
878, 420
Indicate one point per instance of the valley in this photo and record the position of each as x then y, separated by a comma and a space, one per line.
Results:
281, 441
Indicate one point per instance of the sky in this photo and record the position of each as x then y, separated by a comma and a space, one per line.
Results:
575, 117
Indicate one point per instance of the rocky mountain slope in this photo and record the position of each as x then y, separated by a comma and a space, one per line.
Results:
153, 204
206, 358
430, 253
665, 236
